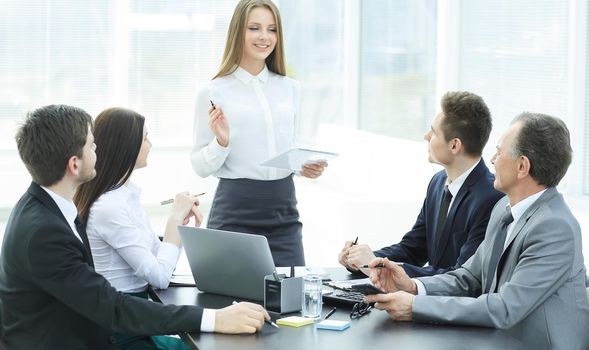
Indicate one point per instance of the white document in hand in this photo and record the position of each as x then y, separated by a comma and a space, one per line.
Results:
294, 158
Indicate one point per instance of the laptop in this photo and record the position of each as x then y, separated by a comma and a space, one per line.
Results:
228, 263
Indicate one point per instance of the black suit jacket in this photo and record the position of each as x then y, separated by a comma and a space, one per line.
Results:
463, 230
50, 295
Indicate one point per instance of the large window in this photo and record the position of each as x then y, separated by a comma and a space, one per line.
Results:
53, 52
173, 50
397, 67
515, 55
313, 39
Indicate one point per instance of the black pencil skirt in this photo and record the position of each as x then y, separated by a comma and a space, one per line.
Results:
261, 207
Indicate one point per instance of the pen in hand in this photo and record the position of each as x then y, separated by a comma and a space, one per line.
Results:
171, 200
379, 266
212, 104
330, 313
355, 241
267, 321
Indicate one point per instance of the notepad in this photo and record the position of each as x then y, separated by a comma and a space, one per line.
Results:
295, 321
333, 325
182, 281
294, 158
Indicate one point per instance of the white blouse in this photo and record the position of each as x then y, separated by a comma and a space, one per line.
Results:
261, 114
125, 249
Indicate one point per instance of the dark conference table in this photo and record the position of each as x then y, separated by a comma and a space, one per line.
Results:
373, 331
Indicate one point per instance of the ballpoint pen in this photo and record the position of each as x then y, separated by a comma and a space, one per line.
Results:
355, 241
381, 265
171, 200
330, 313
267, 321
212, 104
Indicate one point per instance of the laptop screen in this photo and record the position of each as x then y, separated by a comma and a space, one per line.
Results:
228, 263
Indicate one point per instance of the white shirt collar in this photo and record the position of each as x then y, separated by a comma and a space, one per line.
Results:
68, 208
455, 185
246, 77
520, 208
129, 189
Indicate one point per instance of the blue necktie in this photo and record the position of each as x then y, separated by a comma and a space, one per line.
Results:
506, 219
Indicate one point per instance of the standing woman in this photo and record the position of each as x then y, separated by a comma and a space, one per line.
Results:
125, 249
251, 118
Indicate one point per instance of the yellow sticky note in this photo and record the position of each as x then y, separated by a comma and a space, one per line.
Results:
294, 321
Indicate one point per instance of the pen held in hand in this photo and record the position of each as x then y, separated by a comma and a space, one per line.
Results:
171, 200
379, 266
270, 322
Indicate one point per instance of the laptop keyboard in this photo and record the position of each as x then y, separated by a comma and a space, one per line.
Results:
344, 297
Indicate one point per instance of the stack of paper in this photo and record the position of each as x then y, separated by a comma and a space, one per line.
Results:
347, 284
295, 321
333, 325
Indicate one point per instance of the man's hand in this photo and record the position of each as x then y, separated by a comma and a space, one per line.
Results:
398, 305
391, 277
359, 255
343, 255
240, 318
353, 256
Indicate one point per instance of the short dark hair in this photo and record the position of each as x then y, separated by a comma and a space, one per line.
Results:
49, 137
546, 142
467, 118
119, 134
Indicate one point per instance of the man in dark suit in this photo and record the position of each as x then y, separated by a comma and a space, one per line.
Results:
50, 295
459, 199
528, 275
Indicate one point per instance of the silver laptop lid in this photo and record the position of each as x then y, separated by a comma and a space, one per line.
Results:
228, 263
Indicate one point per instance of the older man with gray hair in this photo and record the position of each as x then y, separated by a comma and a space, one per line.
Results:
528, 275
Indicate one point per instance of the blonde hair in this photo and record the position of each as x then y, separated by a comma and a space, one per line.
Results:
235, 38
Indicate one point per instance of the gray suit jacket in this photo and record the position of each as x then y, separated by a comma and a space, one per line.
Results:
541, 297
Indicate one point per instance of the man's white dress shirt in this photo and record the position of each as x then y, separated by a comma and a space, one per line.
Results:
516, 211
67, 208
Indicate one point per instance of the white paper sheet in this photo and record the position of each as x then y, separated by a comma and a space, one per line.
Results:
294, 158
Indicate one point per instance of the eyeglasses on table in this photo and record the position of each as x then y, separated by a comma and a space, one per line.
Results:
360, 309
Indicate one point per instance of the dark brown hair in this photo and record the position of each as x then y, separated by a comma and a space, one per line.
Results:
467, 118
118, 134
49, 137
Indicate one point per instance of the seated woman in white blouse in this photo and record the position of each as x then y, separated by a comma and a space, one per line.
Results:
125, 249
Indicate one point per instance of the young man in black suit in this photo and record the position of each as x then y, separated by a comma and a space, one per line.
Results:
50, 295
459, 199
